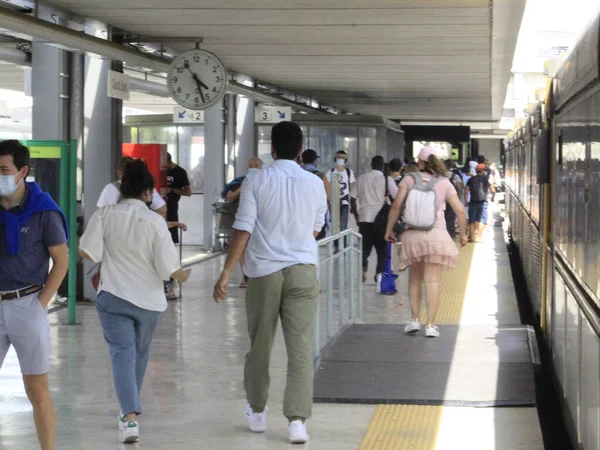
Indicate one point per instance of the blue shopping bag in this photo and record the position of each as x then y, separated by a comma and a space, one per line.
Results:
386, 281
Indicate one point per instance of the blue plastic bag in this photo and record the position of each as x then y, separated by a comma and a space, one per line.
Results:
386, 281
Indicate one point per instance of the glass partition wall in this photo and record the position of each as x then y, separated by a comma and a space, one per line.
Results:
360, 139
360, 142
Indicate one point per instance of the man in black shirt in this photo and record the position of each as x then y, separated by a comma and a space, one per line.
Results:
178, 184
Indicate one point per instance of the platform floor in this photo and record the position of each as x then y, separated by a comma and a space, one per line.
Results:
193, 395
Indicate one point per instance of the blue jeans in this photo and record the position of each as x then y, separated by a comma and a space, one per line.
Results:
128, 330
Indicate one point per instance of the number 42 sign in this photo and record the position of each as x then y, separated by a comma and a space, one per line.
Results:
183, 115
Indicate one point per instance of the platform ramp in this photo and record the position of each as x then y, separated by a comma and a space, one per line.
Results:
467, 366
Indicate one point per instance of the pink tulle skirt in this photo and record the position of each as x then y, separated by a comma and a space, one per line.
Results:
433, 246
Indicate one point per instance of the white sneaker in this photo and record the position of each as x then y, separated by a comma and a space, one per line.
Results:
432, 331
298, 433
256, 421
130, 432
412, 327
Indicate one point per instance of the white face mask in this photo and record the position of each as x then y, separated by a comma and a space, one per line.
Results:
340, 162
8, 185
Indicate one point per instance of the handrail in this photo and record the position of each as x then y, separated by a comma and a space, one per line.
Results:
335, 237
348, 262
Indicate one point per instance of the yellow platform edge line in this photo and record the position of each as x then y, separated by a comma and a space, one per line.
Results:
399, 427
453, 289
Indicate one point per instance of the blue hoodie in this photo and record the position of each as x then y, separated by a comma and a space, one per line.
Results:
37, 202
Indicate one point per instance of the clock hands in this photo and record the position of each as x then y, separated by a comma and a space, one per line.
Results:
199, 83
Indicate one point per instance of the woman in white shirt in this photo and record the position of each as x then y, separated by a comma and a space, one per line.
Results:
137, 253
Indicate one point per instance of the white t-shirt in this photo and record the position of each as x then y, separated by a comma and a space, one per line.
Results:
136, 251
110, 196
371, 194
345, 183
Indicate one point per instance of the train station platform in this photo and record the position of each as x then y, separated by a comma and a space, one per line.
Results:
376, 389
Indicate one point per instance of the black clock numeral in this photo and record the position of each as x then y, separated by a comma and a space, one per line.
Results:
186, 62
207, 97
175, 79
214, 89
197, 99
207, 62
215, 68
187, 96
180, 69
179, 90
218, 79
196, 58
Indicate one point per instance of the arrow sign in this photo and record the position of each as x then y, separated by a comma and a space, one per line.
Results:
183, 115
272, 114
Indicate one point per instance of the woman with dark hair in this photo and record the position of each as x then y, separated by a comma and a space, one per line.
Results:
137, 253
426, 252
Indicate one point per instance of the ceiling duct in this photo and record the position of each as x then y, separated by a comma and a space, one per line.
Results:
53, 34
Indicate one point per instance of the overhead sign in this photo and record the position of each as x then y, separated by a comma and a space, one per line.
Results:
183, 115
272, 114
118, 85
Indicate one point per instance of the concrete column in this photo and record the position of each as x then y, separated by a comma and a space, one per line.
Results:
214, 166
245, 135
231, 137
101, 139
50, 92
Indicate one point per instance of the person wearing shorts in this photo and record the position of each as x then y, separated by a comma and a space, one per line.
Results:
33, 230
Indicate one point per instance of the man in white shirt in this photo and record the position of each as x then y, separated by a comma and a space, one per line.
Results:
112, 192
372, 194
347, 184
282, 209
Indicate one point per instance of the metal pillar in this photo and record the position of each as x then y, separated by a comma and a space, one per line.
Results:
101, 140
245, 135
231, 138
214, 167
50, 92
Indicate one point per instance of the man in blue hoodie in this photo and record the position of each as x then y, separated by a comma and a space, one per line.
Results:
33, 230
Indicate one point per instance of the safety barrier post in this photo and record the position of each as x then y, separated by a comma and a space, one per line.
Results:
317, 330
329, 289
341, 279
359, 279
351, 275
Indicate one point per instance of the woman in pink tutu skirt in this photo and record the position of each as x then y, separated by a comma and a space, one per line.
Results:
426, 252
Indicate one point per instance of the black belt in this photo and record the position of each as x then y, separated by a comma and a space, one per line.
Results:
13, 295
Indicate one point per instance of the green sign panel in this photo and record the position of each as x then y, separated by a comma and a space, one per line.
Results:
49, 152
54, 168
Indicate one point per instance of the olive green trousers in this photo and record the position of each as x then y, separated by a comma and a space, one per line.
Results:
292, 294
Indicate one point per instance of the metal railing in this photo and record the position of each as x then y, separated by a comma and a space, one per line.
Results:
348, 262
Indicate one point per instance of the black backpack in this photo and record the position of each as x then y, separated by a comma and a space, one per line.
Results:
478, 188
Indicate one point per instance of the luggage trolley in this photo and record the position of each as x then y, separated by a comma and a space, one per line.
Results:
224, 216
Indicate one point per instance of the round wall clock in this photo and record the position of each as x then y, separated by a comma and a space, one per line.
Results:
198, 79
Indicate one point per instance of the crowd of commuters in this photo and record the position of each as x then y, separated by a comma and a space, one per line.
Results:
280, 213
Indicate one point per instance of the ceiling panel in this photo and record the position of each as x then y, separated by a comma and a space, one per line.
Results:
417, 59
288, 17
281, 4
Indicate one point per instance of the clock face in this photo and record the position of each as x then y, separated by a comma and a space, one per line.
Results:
198, 79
